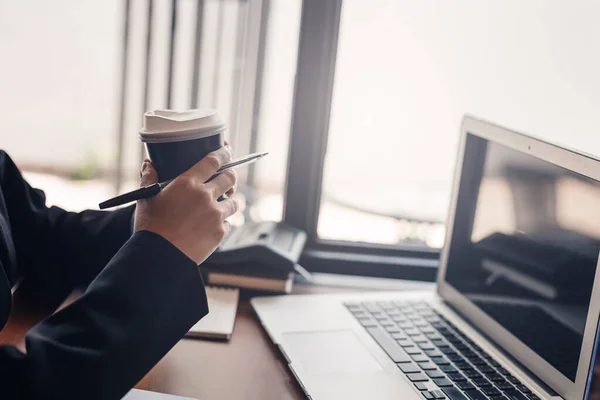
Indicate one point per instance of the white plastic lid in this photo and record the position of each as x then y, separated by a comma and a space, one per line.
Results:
162, 126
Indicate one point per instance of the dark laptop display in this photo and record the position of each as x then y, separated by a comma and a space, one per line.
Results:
525, 248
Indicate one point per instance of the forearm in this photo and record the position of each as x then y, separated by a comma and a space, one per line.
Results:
54, 245
140, 305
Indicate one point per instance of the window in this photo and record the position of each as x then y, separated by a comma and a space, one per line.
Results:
276, 102
406, 73
381, 89
60, 131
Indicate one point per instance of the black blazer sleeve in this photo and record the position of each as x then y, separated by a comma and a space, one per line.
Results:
138, 307
54, 246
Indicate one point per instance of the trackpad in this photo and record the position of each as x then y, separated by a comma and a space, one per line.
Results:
330, 352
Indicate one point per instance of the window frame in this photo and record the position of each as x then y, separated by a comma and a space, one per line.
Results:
315, 73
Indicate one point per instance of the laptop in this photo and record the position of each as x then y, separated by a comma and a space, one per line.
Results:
515, 312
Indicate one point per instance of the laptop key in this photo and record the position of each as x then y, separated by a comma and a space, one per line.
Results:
388, 345
513, 380
420, 358
442, 382
412, 332
532, 396
408, 368
448, 351
434, 353
473, 374
428, 395
495, 377
490, 391
468, 354
371, 307
398, 335
503, 385
440, 360
465, 385
481, 382
412, 350
477, 361
514, 394
455, 358
435, 374
417, 377
456, 377
449, 369
454, 394
405, 342
428, 366
426, 346
523, 389
420, 339
476, 395
392, 329
367, 322
420, 386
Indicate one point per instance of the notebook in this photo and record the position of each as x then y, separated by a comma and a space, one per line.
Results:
218, 324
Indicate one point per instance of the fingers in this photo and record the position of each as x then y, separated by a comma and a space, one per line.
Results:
223, 183
148, 175
229, 207
206, 167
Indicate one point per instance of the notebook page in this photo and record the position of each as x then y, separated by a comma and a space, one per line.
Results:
222, 303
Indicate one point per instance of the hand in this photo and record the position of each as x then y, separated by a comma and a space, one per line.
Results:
187, 212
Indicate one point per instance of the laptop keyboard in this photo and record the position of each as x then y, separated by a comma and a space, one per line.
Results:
440, 361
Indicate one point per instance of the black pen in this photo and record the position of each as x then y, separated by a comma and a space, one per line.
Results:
154, 189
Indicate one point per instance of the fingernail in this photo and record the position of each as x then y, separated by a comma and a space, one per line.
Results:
144, 166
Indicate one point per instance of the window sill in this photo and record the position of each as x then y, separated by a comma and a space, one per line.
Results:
379, 266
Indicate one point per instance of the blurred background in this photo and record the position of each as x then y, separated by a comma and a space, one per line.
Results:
77, 75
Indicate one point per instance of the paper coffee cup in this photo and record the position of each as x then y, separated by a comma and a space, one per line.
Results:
176, 140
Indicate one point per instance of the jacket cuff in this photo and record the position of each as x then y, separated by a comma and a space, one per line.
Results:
150, 263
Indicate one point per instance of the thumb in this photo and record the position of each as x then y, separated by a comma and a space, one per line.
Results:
148, 174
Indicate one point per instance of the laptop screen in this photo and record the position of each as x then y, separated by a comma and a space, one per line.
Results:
525, 246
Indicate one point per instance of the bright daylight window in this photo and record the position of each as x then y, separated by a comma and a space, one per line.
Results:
59, 80
407, 71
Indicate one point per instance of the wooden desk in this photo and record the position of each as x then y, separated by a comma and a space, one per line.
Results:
246, 367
